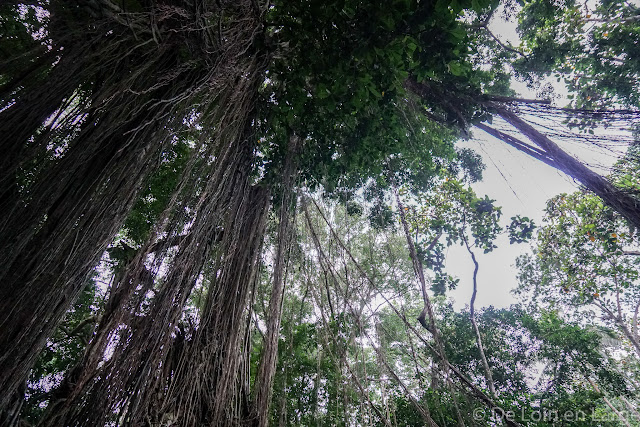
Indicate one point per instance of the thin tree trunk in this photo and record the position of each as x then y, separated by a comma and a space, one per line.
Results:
266, 371
430, 322
632, 409
633, 339
323, 257
634, 321
619, 414
474, 324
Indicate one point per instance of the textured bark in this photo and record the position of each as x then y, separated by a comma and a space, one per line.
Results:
620, 201
159, 370
48, 272
202, 379
10, 417
141, 88
206, 385
31, 110
266, 371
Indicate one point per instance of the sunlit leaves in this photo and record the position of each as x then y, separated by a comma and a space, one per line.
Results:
592, 48
453, 209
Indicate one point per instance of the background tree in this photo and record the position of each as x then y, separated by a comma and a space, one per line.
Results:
176, 135
591, 47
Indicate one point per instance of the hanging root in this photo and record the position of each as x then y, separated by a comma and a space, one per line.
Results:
113, 103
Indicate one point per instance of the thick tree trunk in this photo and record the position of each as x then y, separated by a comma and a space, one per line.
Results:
620, 201
53, 233
153, 375
10, 416
205, 389
202, 381
48, 270
21, 121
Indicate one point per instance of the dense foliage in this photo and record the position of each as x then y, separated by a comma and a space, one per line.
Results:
238, 213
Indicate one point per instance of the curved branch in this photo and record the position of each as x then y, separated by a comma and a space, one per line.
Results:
472, 317
502, 45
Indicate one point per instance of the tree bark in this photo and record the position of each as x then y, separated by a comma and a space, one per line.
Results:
44, 279
625, 204
266, 371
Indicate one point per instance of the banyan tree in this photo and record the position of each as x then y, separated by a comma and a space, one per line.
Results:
243, 102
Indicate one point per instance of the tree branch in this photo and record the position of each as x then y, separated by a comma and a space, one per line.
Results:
484, 398
518, 145
626, 205
502, 45
608, 402
500, 98
472, 317
417, 266
614, 21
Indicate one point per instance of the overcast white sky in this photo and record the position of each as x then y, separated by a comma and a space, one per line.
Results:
521, 185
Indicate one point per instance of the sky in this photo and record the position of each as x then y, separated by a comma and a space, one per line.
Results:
519, 184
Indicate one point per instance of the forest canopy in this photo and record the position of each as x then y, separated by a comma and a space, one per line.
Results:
238, 213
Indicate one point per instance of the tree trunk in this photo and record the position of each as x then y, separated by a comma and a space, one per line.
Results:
268, 362
143, 91
474, 324
620, 201
44, 277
